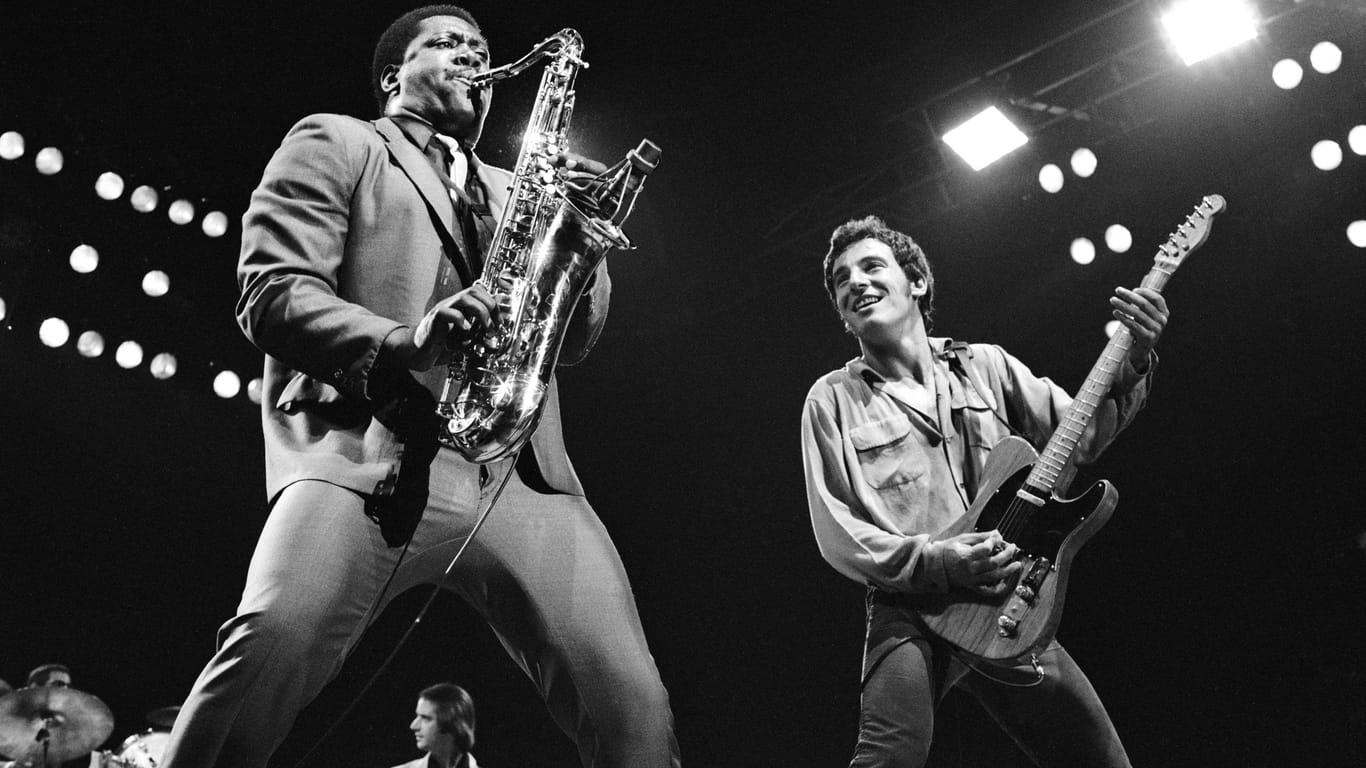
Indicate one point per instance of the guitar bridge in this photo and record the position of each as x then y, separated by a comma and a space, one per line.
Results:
1008, 623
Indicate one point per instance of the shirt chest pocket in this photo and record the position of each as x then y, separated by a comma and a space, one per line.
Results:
886, 454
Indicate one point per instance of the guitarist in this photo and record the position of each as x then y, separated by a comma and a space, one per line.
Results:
894, 444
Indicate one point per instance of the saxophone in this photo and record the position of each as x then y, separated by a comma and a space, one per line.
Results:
551, 237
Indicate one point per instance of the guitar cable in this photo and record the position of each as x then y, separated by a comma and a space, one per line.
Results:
421, 613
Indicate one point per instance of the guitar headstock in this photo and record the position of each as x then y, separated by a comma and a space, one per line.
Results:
1192, 233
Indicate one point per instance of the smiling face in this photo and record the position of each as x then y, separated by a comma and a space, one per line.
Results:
431, 81
875, 297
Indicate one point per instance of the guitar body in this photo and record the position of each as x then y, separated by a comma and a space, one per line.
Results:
1049, 537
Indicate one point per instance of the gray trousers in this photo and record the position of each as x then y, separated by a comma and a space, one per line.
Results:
542, 571
1059, 722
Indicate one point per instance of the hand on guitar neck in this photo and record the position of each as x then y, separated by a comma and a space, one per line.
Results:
982, 561
1144, 312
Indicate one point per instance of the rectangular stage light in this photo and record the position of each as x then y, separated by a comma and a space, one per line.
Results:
985, 138
1201, 28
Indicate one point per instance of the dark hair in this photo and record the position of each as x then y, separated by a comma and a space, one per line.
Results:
394, 42
454, 712
40, 675
907, 253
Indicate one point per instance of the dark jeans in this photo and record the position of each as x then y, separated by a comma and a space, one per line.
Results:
1059, 722
542, 571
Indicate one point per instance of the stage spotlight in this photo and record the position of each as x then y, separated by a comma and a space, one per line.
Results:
1356, 233
1083, 250
215, 223
84, 259
227, 384
1287, 73
985, 138
90, 344
128, 355
156, 283
4, 310
49, 161
1325, 58
254, 390
109, 186
1050, 178
1201, 28
1356, 139
54, 332
1118, 238
181, 212
163, 366
143, 199
1326, 154
1112, 327
11, 145
1084, 162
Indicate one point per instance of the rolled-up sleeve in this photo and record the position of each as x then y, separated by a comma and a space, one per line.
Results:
1037, 405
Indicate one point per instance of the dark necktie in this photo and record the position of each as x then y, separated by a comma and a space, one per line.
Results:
469, 203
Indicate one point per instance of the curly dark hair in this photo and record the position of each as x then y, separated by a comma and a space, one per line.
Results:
394, 42
454, 712
909, 255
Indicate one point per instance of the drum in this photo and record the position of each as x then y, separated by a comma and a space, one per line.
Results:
144, 750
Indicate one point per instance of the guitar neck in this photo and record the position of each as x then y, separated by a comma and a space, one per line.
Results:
1063, 443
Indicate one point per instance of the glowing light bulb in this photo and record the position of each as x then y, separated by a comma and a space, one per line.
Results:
215, 223
11, 145
156, 283
1050, 178
1084, 162
163, 365
90, 344
181, 212
1325, 58
144, 199
84, 259
1118, 238
1083, 251
1326, 154
128, 355
54, 332
109, 186
227, 384
49, 161
1287, 74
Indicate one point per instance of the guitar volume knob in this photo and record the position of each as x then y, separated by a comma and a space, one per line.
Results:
1006, 626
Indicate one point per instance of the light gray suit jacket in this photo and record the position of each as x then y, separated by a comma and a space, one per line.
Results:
341, 247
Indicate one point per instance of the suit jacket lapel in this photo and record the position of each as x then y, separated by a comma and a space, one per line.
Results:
415, 166
495, 184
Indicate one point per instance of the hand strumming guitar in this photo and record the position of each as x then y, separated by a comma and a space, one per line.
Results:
980, 560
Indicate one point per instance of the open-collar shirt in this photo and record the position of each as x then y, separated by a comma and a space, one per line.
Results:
884, 477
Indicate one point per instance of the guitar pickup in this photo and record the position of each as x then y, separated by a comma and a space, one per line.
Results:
1008, 623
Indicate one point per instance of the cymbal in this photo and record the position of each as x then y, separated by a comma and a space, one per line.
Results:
164, 717
75, 724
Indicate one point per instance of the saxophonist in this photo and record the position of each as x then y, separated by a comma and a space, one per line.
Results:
359, 249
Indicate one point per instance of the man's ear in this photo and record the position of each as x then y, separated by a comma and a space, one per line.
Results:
919, 287
388, 80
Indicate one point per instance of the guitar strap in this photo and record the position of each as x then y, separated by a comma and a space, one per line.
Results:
958, 353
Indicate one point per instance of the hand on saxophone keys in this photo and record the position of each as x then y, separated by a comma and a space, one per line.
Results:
448, 325
575, 167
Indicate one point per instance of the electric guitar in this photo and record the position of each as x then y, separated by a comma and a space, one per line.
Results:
1018, 496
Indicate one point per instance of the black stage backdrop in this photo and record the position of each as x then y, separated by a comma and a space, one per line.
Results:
1219, 613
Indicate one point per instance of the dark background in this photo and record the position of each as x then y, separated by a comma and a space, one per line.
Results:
1219, 613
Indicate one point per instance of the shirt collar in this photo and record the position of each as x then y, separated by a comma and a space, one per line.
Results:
419, 131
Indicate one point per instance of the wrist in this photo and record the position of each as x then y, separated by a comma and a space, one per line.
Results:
398, 350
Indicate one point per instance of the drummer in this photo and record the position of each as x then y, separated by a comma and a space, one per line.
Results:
51, 675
